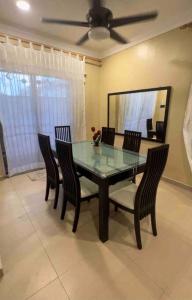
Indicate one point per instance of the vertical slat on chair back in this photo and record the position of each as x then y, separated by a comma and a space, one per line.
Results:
51, 166
146, 192
71, 184
63, 133
132, 140
108, 135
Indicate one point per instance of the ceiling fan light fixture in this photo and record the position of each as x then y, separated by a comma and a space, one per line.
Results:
23, 5
99, 33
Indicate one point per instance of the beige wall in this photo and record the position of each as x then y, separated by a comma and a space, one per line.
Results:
164, 60
92, 85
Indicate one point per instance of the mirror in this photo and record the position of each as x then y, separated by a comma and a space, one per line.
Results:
145, 111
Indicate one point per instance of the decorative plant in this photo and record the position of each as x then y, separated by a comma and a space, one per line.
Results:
96, 136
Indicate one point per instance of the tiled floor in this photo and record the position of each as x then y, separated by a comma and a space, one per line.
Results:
43, 259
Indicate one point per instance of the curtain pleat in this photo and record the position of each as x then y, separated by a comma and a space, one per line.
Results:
134, 110
38, 91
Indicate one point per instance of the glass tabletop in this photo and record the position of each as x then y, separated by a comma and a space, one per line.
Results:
105, 160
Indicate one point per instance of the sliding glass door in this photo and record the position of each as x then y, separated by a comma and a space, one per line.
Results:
30, 104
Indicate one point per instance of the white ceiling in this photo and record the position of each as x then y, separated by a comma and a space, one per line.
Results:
172, 13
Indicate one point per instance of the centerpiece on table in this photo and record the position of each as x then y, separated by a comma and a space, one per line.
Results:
96, 136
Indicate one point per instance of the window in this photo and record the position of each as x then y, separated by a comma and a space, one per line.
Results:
30, 104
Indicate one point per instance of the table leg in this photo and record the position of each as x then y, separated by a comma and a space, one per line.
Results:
103, 210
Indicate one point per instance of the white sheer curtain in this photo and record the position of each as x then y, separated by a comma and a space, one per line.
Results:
38, 90
187, 129
134, 110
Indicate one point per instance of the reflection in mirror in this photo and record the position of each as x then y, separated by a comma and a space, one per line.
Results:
144, 111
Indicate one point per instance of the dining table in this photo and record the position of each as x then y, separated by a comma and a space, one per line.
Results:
106, 166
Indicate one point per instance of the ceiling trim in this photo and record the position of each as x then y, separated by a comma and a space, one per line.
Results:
40, 38
167, 26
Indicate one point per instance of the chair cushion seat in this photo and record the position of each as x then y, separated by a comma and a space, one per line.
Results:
119, 185
88, 187
125, 195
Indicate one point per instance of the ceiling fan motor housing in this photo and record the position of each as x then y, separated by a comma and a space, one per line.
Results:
99, 17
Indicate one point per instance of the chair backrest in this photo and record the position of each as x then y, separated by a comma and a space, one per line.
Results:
108, 135
50, 163
146, 193
149, 124
71, 184
63, 133
132, 140
159, 129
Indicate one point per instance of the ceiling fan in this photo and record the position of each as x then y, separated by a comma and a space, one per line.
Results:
101, 23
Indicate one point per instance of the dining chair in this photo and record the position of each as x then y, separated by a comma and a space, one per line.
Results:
140, 201
75, 189
54, 178
63, 133
132, 140
108, 135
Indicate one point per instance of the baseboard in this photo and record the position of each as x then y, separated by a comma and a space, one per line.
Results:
178, 183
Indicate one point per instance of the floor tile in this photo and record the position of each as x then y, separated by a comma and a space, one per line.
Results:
14, 233
174, 205
181, 289
66, 249
53, 291
163, 257
26, 270
107, 278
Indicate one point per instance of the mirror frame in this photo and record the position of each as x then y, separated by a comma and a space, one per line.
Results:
167, 88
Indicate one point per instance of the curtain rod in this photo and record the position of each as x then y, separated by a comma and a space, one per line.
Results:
93, 61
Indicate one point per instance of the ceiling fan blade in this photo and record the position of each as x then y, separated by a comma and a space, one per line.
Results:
133, 19
65, 22
117, 37
96, 3
82, 40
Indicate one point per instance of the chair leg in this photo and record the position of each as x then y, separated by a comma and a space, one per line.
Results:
153, 222
63, 207
116, 207
47, 190
137, 232
76, 219
56, 196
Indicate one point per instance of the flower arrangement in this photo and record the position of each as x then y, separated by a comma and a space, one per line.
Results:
96, 136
